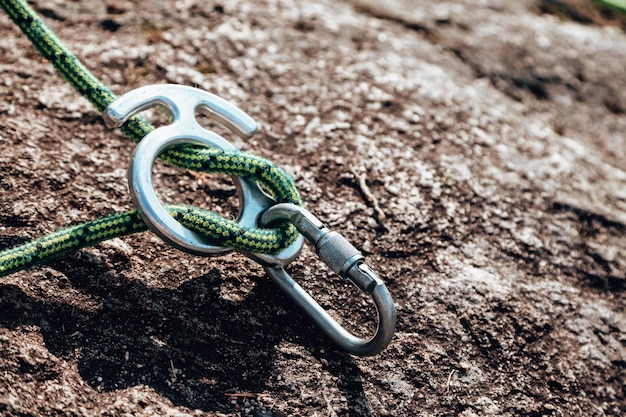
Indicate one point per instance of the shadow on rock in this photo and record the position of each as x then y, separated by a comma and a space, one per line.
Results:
190, 343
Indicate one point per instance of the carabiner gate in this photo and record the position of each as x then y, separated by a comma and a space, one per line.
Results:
346, 261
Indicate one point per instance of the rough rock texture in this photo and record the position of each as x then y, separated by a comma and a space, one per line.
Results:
474, 150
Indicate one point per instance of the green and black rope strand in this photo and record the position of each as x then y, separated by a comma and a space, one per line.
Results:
213, 227
619, 5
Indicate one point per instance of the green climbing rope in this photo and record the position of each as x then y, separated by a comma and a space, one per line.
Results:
213, 227
619, 5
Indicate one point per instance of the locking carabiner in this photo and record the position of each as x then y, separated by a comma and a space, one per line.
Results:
347, 262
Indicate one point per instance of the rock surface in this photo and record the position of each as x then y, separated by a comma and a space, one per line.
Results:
473, 150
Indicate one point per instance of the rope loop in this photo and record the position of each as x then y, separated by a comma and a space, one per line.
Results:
210, 225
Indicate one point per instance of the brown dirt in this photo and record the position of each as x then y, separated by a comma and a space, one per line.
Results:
491, 134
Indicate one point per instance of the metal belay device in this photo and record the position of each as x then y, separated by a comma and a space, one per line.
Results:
257, 210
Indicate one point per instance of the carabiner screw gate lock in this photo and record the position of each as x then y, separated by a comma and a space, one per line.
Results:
347, 262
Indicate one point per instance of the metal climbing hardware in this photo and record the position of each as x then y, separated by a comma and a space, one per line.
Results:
189, 228
182, 103
346, 261
256, 207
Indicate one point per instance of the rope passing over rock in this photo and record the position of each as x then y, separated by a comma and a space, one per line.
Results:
266, 193
210, 225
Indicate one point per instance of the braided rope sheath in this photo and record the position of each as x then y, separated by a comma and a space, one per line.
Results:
619, 5
215, 228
